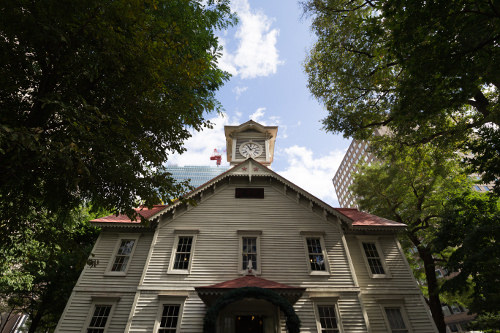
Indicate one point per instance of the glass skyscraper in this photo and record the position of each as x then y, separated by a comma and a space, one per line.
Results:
198, 174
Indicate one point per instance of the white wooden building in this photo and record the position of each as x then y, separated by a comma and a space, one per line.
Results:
257, 242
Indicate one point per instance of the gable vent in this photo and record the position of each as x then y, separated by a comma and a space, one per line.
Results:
249, 192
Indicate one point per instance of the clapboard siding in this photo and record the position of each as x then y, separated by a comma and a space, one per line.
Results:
75, 317
282, 218
283, 257
401, 276
417, 314
148, 307
103, 251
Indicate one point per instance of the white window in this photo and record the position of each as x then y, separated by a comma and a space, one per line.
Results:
395, 319
169, 321
327, 314
123, 252
99, 319
328, 318
373, 257
316, 255
249, 250
182, 251
100, 314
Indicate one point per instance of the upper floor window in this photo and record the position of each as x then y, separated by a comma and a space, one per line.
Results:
317, 260
315, 253
249, 250
182, 251
123, 254
373, 257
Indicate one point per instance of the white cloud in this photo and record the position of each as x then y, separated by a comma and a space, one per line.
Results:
239, 90
257, 115
313, 174
256, 54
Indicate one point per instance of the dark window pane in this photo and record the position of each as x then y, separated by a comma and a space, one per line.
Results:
169, 318
183, 252
249, 252
99, 319
328, 319
373, 258
316, 259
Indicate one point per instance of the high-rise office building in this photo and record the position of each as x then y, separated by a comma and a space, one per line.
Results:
196, 174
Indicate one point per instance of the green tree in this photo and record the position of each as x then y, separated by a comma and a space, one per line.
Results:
96, 94
40, 269
470, 225
411, 185
427, 70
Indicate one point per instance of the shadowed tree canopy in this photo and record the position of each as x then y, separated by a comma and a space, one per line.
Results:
411, 185
95, 95
470, 225
429, 70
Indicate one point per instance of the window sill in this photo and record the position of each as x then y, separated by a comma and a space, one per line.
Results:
380, 276
245, 272
115, 273
178, 272
319, 273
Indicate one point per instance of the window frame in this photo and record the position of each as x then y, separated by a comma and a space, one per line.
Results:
395, 303
378, 247
99, 301
249, 234
122, 237
313, 234
327, 301
178, 234
169, 300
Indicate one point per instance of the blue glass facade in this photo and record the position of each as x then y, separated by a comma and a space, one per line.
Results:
198, 175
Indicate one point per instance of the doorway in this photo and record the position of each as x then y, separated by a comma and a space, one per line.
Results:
249, 316
249, 324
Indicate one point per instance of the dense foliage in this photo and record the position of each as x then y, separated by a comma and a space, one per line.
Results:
96, 94
429, 70
42, 264
411, 185
470, 225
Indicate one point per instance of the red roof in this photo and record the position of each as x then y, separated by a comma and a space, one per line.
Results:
248, 281
143, 211
368, 220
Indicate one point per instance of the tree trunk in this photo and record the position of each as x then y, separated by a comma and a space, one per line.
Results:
36, 320
432, 285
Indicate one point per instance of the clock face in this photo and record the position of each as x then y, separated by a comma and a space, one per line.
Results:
251, 149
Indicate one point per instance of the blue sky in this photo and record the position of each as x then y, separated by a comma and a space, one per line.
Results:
265, 53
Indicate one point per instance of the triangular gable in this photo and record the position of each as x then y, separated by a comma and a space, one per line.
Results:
353, 218
251, 168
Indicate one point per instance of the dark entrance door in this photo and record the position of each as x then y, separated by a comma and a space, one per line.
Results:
249, 324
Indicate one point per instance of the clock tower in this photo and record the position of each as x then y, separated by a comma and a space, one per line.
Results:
250, 139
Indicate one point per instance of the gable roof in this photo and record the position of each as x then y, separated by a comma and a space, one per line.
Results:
362, 219
143, 211
249, 281
251, 168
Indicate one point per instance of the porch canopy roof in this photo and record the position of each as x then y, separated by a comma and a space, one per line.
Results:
209, 294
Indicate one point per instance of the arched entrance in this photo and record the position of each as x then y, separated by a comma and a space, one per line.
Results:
246, 299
